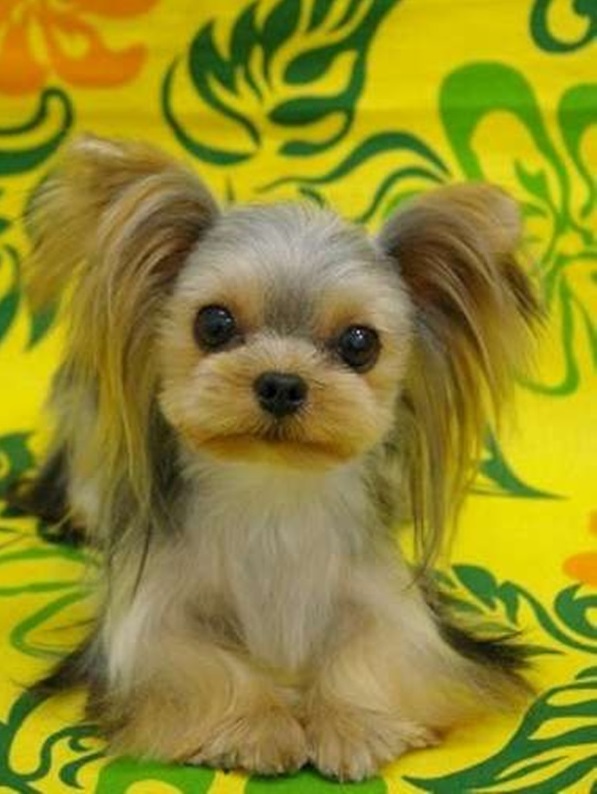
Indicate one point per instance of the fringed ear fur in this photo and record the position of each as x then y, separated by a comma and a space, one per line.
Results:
112, 227
474, 312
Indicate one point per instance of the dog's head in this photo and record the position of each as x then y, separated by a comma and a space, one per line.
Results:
285, 339
282, 333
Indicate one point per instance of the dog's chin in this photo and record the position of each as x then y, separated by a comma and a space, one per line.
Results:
294, 454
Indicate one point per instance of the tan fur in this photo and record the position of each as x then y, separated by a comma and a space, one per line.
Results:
215, 406
116, 222
473, 310
245, 724
255, 610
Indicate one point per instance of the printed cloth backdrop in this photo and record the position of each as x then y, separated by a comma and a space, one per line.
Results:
360, 104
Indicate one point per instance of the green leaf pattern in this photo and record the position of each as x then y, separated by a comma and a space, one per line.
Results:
555, 41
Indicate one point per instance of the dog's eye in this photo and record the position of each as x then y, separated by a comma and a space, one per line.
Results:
215, 326
358, 346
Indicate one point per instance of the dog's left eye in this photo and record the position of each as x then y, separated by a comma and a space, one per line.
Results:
214, 327
359, 346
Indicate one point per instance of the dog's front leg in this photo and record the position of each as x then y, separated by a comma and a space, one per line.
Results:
196, 701
179, 683
385, 682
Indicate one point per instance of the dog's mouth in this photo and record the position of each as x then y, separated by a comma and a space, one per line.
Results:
275, 445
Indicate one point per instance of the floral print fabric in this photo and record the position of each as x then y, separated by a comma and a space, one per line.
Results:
360, 104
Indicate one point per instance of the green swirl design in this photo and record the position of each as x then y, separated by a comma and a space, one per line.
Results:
74, 737
293, 76
50, 122
430, 168
540, 757
250, 72
23, 148
472, 94
27, 560
498, 478
569, 625
550, 41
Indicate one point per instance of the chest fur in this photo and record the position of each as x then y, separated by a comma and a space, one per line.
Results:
278, 549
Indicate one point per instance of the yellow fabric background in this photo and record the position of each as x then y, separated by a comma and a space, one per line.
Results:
543, 545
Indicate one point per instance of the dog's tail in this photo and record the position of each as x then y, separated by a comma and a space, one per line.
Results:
494, 658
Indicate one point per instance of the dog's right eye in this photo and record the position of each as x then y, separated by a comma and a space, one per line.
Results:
214, 327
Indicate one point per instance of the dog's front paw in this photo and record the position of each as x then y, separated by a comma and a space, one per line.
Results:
352, 744
267, 742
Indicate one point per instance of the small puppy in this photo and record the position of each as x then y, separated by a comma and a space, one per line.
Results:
249, 401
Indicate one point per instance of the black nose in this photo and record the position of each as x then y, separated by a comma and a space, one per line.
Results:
280, 393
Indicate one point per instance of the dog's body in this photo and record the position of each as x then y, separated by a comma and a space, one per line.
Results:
248, 402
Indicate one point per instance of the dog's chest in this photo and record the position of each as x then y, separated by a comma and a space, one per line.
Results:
277, 549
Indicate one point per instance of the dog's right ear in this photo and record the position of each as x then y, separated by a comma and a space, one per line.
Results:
111, 228
113, 212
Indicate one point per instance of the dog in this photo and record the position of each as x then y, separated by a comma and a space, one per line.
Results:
250, 401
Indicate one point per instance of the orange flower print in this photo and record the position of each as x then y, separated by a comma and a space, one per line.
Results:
583, 566
42, 37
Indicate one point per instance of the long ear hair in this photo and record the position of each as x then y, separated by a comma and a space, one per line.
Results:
474, 310
111, 228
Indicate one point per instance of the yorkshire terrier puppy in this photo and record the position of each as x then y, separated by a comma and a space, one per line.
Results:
249, 401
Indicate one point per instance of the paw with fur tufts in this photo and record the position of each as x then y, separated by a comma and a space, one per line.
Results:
352, 744
265, 742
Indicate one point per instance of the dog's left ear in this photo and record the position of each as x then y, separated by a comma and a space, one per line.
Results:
473, 309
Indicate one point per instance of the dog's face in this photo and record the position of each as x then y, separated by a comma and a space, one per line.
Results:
285, 340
